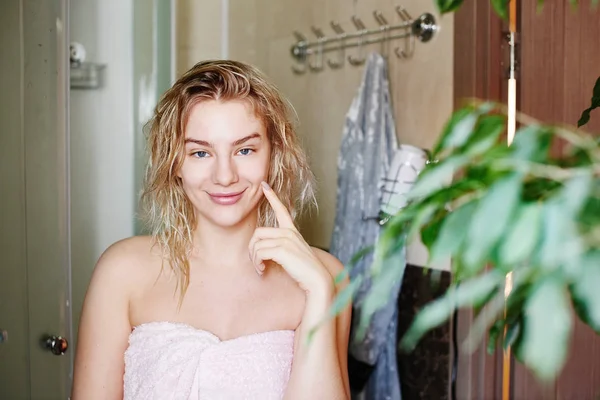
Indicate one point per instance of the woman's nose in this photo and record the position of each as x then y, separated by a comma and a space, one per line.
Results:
225, 172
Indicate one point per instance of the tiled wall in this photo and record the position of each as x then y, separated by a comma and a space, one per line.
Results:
261, 32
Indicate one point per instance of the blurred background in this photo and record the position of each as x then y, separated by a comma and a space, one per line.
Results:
80, 78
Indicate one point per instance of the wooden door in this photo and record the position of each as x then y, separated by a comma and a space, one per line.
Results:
559, 53
560, 62
34, 208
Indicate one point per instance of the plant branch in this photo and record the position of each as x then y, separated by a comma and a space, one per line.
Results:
543, 170
585, 142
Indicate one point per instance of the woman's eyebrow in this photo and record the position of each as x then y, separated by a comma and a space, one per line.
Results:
236, 143
199, 142
246, 138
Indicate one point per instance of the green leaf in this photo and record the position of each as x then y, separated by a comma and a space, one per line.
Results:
574, 4
490, 220
485, 136
431, 231
391, 241
435, 177
446, 6
512, 334
423, 217
559, 238
514, 312
461, 127
532, 144
486, 318
452, 233
595, 103
456, 118
523, 236
540, 6
576, 191
547, 329
344, 297
501, 8
468, 293
537, 188
586, 291
379, 293
494, 335
355, 258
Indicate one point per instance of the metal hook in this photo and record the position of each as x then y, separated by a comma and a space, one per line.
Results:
340, 59
300, 68
299, 52
403, 13
409, 40
358, 23
318, 32
318, 64
384, 27
299, 37
361, 58
380, 18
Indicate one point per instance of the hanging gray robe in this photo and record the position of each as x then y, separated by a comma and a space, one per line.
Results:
368, 145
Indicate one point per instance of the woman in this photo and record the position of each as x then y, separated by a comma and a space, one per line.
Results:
219, 302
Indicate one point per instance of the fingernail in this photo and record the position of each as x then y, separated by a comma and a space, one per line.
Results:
265, 185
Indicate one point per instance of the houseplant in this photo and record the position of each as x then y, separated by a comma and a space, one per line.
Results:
518, 211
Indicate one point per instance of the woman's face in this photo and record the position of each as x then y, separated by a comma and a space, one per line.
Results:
227, 155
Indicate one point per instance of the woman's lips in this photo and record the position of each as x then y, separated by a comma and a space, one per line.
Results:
226, 199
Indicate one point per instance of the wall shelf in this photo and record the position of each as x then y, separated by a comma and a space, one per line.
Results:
87, 75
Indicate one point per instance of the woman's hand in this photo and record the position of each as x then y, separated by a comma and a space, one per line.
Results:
285, 246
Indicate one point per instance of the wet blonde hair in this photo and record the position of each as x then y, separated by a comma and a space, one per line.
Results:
169, 213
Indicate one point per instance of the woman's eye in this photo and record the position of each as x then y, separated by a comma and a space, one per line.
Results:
245, 152
200, 154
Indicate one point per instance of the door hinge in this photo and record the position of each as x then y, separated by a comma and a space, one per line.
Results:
506, 54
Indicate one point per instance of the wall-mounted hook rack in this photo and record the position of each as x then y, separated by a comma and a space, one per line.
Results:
423, 28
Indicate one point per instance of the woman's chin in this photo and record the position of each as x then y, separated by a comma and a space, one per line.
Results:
228, 218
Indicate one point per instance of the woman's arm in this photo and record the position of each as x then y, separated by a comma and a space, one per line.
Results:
319, 366
103, 330
320, 369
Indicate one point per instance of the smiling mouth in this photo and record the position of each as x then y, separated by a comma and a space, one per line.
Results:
226, 199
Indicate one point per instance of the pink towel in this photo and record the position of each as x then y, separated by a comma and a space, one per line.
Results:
176, 361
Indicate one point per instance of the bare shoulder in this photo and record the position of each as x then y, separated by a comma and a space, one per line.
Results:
333, 265
122, 261
128, 251
129, 248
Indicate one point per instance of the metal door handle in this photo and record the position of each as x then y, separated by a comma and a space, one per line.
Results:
58, 345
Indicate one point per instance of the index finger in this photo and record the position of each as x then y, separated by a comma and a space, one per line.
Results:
281, 212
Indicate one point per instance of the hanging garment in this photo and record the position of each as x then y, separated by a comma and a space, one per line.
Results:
368, 145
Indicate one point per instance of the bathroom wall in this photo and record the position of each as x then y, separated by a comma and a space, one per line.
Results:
199, 32
133, 39
102, 139
261, 32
